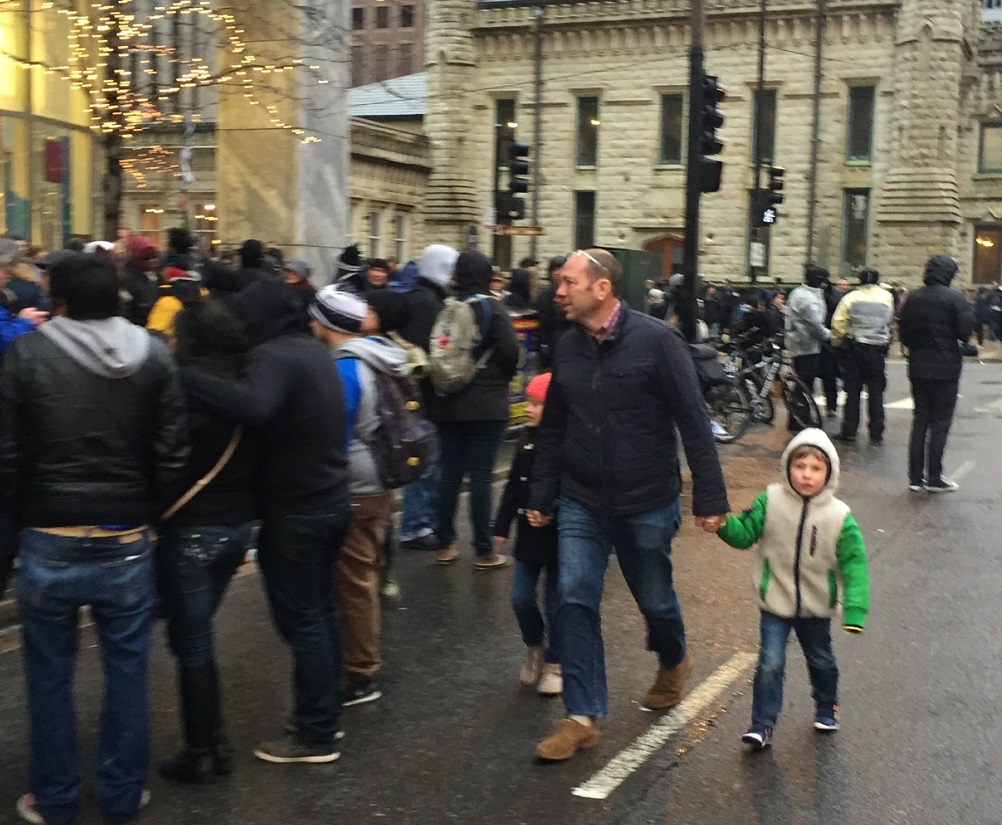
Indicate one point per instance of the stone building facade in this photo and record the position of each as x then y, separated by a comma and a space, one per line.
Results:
909, 135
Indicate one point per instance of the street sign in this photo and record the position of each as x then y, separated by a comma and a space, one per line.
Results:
518, 230
489, 217
756, 254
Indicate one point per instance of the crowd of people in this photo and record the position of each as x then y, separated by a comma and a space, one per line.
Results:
155, 409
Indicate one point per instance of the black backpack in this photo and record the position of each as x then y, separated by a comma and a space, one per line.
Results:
403, 446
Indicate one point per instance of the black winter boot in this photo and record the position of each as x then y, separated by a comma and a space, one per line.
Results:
199, 693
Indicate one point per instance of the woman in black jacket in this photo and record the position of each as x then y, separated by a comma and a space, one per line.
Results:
472, 422
204, 542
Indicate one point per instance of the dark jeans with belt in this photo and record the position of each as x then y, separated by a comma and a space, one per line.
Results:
807, 368
194, 568
864, 367
296, 555
934, 404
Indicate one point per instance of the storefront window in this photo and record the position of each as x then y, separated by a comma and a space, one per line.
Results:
987, 267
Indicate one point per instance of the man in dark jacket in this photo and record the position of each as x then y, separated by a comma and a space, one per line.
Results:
935, 322
622, 383
291, 391
472, 422
92, 441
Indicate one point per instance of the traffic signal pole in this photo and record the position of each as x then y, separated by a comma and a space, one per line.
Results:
757, 201
686, 302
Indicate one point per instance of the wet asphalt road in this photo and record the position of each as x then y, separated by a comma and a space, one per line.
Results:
451, 740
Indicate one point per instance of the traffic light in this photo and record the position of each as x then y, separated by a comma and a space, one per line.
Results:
710, 143
518, 183
773, 196
711, 117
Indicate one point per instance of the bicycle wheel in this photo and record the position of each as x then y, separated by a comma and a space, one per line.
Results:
730, 411
800, 404
764, 410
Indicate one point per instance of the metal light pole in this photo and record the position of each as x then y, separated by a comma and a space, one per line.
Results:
757, 204
686, 302
819, 37
537, 121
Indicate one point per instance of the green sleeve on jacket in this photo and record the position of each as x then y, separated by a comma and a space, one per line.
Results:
744, 530
851, 555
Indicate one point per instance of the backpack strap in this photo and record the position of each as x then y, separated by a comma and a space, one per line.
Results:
485, 325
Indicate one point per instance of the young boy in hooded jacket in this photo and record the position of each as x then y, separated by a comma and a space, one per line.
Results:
809, 553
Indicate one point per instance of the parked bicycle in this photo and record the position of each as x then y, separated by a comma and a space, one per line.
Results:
758, 366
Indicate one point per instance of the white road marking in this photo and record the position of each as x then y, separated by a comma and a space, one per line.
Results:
645, 746
903, 404
962, 470
991, 407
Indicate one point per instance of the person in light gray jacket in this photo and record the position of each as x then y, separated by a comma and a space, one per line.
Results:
806, 332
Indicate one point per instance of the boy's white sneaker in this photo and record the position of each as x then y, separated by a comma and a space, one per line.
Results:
551, 683
532, 668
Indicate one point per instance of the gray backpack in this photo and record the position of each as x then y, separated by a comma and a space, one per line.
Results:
454, 337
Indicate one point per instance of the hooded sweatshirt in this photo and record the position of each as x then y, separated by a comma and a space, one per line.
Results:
357, 358
809, 550
293, 395
111, 347
933, 322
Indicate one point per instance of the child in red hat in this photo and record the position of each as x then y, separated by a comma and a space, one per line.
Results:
535, 553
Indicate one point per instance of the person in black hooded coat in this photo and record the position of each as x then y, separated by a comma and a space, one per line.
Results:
472, 422
935, 322
291, 392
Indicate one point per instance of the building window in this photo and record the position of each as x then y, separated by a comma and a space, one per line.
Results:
357, 18
991, 11
400, 241
672, 128
584, 219
859, 134
588, 123
358, 77
407, 17
374, 244
205, 223
767, 125
381, 63
405, 59
990, 152
855, 216
382, 17
987, 267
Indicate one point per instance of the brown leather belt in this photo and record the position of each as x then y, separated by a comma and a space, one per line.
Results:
94, 532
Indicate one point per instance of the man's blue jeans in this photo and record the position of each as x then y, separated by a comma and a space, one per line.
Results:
296, 555
420, 505
194, 568
468, 447
643, 547
59, 576
524, 602
815, 637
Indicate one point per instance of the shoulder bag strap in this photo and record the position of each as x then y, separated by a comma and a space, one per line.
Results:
205, 480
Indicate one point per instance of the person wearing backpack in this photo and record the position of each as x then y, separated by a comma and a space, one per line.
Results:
336, 318
470, 402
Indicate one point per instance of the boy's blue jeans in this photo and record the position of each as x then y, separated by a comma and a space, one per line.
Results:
643, 549
815, 637
59, 575
530, 619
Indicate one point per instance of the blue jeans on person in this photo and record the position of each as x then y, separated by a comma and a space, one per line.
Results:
194, 568
58, 576
468, 447
525, 603
643, 548
296, 555
417, 518
815, 637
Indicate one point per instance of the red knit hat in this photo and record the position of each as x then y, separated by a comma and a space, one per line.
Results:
536, 390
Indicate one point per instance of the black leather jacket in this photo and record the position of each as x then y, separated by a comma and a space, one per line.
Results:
79, 449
